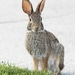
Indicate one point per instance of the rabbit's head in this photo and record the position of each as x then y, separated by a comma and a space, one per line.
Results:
35, 20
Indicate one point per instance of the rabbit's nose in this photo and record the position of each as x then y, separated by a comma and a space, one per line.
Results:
35, 28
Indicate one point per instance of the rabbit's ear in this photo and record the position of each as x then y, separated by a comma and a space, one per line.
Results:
40, 6
27, 7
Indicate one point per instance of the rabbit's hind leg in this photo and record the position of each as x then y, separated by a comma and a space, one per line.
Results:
57, 66
58, 49
60, 57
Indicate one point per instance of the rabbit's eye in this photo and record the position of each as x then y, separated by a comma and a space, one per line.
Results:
30, 19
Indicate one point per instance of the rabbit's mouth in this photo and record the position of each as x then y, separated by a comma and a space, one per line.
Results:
34, 30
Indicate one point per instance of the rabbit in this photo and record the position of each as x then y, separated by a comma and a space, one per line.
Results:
41, 44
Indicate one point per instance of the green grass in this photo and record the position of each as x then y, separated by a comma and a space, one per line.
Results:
13, 70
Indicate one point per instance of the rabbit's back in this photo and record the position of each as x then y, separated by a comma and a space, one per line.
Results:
39, 44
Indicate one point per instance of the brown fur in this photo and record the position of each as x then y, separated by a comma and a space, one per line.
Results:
45, 65
35, 63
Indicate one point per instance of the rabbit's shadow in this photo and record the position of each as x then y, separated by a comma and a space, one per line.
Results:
68, 73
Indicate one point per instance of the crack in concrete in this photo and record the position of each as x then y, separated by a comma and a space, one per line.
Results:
12, 21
